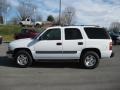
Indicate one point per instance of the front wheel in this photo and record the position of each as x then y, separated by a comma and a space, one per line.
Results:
23, 59
90, 60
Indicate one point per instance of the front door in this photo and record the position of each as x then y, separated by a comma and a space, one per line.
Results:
50, 45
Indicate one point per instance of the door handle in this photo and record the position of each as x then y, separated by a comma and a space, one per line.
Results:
59, 43
80, 43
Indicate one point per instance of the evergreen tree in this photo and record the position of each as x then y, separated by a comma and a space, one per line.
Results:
50, 18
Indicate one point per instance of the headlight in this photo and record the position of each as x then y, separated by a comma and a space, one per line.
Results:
9, 47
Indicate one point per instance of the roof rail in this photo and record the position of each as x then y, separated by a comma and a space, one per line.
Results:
89, 25
83, 25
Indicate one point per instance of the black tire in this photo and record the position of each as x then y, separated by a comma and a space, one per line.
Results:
86, 61
23, 59
21, 24
37, 25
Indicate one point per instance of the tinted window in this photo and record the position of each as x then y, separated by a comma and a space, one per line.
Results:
52, 34
72, 33
97, 33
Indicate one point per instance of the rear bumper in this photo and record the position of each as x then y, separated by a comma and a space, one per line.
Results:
112, 55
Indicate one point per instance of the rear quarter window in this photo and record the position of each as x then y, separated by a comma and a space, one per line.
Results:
96, 33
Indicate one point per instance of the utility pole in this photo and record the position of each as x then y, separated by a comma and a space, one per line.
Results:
60, 12
35, 14
6, 15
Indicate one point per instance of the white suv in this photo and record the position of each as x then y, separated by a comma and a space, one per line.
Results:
86, 44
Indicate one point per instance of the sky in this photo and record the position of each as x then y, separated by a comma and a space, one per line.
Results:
90, 12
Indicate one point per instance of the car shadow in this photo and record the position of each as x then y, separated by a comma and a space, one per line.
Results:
5, 62
118, 43
56, 65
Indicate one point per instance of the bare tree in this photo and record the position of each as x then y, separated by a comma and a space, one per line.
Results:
68, 16
115, 27
26, 9
3, 8
38, 17
14, 20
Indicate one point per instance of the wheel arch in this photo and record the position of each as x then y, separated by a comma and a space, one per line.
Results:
21, 23
25, 49
91, 49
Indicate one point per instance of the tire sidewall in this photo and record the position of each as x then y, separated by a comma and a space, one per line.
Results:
93, 54
25, 53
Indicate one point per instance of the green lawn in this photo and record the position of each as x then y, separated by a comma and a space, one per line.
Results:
8, 31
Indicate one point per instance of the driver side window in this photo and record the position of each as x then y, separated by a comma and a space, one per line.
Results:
52, 34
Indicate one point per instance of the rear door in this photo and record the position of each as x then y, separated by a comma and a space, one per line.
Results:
72, 43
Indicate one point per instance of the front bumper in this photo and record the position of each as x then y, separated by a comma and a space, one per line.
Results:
112, 55
10, 54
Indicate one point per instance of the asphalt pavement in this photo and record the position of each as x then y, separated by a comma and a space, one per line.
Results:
59, 76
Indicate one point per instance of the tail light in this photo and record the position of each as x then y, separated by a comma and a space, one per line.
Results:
110, 46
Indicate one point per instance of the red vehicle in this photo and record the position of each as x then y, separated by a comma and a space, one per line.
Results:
26, 33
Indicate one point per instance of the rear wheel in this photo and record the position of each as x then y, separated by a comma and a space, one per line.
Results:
23, 59
90, 60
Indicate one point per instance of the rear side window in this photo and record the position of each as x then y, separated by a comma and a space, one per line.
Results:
72, 34
97, 33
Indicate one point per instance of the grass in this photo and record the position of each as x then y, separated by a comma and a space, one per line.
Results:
8, 38
8, 31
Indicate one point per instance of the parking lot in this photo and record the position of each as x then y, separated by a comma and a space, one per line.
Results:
59, 76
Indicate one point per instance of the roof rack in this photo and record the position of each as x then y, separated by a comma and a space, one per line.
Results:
83, 25
88, 25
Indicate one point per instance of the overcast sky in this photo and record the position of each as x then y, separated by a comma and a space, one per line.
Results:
99, 12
